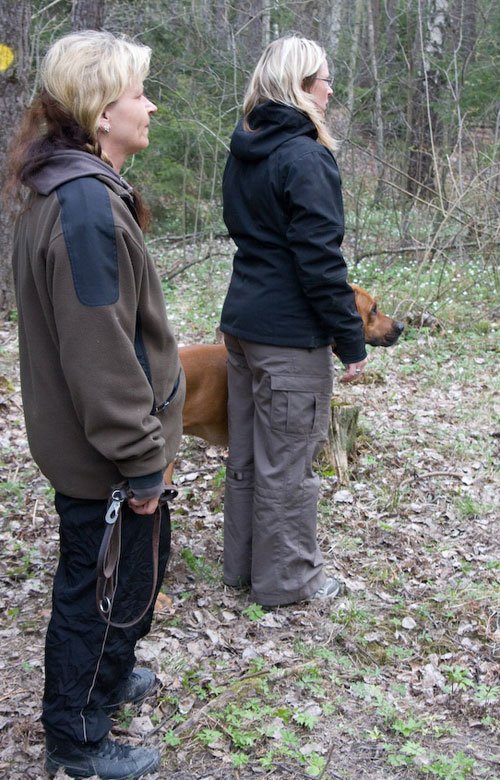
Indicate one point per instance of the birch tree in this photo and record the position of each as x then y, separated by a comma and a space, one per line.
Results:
330, 26
423, 120
378, 120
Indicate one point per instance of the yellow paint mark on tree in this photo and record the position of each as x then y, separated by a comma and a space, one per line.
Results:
6, 56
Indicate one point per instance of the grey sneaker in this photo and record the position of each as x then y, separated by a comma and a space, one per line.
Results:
107, 759
141, 682
329, 590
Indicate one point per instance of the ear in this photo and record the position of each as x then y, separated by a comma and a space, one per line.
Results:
307, 83
104, 125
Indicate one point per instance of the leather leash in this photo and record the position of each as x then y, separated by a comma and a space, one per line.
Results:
109, 556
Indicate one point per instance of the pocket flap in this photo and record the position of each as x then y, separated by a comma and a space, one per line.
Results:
301, 384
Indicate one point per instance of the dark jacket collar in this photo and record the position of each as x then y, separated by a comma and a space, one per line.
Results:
67, 164
272, 125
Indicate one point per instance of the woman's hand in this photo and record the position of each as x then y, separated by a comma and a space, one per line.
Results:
147, 507
353, 371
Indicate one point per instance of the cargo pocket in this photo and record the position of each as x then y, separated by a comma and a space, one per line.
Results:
300, 404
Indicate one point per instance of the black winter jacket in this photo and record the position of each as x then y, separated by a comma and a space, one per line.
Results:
283, 209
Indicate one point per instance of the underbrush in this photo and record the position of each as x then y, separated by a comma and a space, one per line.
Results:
399, 677
396, 678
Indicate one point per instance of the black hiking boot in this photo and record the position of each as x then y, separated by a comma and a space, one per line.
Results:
107, 759
141, 682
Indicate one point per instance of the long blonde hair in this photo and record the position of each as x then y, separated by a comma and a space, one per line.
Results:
284, 73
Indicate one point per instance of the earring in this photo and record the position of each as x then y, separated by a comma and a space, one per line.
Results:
105, 128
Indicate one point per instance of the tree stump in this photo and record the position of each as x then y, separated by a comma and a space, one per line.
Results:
341, 438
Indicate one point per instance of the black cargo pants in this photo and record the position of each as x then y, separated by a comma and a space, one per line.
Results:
85, 659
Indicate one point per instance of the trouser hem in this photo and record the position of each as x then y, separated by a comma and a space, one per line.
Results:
284, 600
237, 583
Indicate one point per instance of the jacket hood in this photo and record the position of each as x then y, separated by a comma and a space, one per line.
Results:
273, 124
67, 164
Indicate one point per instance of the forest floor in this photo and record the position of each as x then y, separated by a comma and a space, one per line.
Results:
399, 677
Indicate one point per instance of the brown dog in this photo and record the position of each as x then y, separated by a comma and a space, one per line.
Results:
380, 330
205, 407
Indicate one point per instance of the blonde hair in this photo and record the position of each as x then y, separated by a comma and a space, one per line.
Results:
84, 72
284, 73
81, 74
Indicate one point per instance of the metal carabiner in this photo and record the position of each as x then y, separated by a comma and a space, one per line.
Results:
117, 499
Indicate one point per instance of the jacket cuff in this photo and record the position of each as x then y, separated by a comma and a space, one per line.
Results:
148, 486
350, 355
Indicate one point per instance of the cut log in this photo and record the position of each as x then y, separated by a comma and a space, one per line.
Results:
341, 438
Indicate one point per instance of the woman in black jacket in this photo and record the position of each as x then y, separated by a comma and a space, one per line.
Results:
287, 304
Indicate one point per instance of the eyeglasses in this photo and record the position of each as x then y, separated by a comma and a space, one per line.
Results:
328, 80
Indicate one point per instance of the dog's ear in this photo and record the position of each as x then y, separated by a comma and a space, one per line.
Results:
219, 336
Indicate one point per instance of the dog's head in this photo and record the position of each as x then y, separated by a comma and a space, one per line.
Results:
380, 330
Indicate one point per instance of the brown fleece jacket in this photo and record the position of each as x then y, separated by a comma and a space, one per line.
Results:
97, 353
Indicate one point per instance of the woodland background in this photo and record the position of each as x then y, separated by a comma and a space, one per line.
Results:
416, 104
399, 678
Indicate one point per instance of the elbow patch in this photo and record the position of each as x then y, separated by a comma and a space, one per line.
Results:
89, 233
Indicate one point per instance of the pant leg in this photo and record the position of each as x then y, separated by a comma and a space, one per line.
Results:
85, 660
238, 498
292, 393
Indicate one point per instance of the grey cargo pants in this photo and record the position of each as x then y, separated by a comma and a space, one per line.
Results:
279, 406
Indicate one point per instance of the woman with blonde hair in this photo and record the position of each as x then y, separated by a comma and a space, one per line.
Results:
101, 381
287, 304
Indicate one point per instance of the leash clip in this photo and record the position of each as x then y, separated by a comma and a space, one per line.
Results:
117, 499
105, 606
169, 493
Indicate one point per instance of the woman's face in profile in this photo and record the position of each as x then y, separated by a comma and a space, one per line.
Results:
128, 122
321, 87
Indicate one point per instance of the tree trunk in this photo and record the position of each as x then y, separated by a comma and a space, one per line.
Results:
266, 25
87, 14
341, 442
424, 125
330, 26
15, 19
469, 29
391, 32
251, 16
378, 120
353, 61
